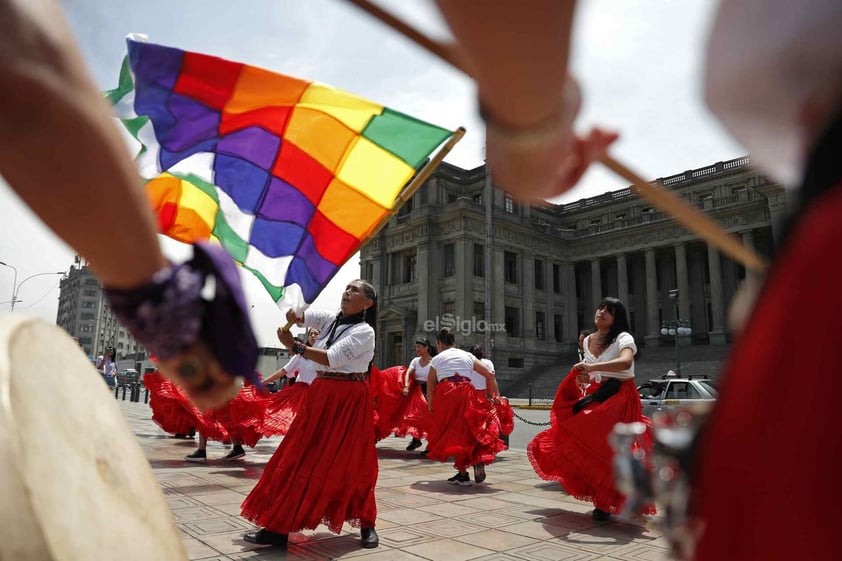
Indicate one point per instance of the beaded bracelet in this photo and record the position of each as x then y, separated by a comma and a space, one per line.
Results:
200, 300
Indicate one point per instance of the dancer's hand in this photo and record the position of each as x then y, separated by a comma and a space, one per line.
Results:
548, 158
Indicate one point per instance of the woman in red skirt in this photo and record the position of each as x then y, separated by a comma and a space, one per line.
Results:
416, 413
596, 394
387, 401
283, 406
462, 425
325, 470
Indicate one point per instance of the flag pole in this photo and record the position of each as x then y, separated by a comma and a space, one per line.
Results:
692, 219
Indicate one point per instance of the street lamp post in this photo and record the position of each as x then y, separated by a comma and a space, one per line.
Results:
16, 286
676, 328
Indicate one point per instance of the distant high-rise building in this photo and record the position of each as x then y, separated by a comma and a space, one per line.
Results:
84, 313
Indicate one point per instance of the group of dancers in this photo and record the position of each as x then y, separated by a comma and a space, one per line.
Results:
336, 406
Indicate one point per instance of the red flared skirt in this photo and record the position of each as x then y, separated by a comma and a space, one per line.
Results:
575, 450
386, 387
325, 470
243, 417
173, 411
463, 427
283, 408
416, 419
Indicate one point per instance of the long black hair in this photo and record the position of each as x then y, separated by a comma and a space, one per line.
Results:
431, 349
446, 337
616, 308
369, 314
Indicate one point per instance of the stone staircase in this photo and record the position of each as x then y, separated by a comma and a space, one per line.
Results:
652, 362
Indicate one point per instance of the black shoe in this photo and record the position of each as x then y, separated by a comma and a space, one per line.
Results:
179, 435
237, 453
191, 433
479, 473
424, 452
198, 456
266, 537
369, 538
414, 444
601, 515
462, 479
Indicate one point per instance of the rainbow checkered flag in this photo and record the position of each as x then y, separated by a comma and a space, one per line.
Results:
290, 176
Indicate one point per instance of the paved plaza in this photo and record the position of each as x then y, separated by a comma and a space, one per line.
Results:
514, 515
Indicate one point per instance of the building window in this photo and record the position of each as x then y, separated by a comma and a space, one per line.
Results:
508, 204
86, 328
539, 274
88, 292
479, 260
621, 220
85, 340
479, 310
86, 316
513, 322
478, 198
540, 326
449, 260
556, 279
369, 272
449, 308
91, 282
557, 327
510, 266
404, 267
406, 208
89, 304
515, 362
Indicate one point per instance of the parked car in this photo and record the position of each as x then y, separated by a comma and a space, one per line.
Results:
671, 391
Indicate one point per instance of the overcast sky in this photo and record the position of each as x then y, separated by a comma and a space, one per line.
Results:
638, 61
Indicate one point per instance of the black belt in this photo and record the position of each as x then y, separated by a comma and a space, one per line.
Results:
343, 376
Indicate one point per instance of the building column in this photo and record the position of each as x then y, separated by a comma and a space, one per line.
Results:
464, 307
652, 321
623, 280
683, 282
528, 298
423, 264
571, 313
717, 332
596, 284
499, 307
549, 309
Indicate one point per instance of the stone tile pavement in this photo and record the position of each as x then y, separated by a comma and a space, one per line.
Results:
514, 515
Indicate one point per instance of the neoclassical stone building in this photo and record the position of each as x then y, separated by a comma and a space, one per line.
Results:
525, 285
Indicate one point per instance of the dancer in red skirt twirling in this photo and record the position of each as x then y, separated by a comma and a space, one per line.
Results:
462, 426
325, 470
597, 393
416, 417
283, 406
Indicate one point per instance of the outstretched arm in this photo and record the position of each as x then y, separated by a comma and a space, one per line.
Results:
63, 154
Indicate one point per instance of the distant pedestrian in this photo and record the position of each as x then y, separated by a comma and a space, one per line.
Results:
106, 363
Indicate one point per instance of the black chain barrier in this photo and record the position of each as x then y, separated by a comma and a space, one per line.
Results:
528, 422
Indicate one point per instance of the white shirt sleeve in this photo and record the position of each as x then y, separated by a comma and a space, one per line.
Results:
626, 341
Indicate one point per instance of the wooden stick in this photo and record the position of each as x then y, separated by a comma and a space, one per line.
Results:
665, 200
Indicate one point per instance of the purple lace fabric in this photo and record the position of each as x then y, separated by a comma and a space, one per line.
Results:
198, 300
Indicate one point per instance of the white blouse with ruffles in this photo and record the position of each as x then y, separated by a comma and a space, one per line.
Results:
623, 341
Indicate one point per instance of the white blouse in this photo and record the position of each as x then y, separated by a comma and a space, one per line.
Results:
421, 373
453, 361
353, 344
477, 379
623, 341
303, 370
